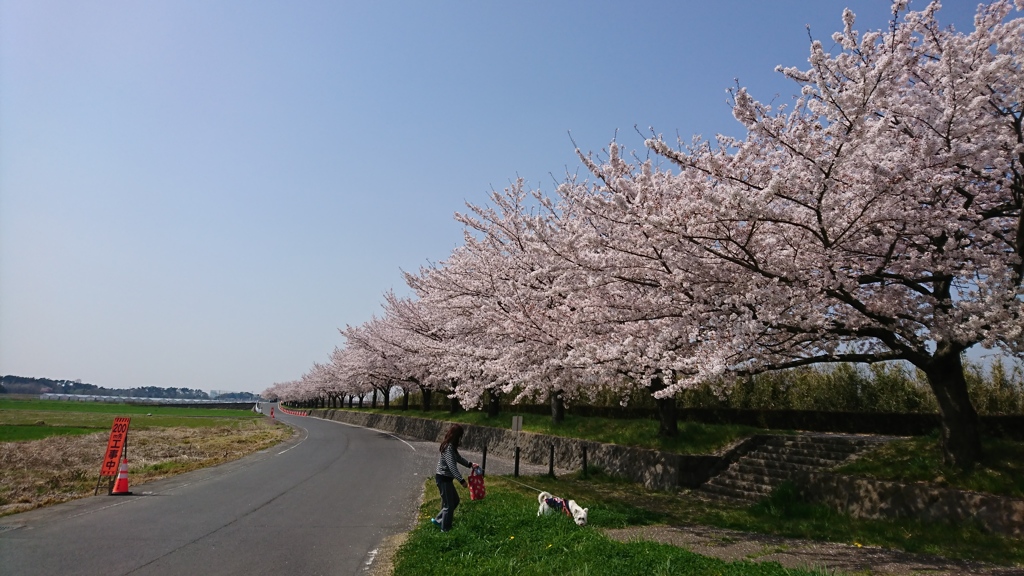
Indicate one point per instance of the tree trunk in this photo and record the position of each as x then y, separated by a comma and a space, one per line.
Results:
351, 399
557, 407
493, 404
426, 398
373, 402
961, 441
361, 400
405, 398
387, 397
668, 418
454, 406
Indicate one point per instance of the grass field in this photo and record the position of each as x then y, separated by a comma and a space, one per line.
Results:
22, 432
785, 515
920, 460
502, 535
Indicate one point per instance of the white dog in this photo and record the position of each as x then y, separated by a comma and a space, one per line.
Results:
549, 504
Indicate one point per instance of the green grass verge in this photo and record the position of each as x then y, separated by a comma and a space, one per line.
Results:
919, 459
694, 437
36, 419
784, 514
502, 535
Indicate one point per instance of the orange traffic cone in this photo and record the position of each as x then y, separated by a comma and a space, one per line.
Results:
121, 486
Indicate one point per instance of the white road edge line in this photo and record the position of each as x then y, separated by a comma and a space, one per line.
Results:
297, 443
368, 428
373, 555
94, 510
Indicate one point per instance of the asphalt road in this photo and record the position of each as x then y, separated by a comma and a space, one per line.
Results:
319, 504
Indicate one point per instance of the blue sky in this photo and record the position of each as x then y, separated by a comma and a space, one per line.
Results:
200, 194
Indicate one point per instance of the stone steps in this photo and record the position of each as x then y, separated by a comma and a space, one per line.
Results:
776, 459
803, 459
823, 452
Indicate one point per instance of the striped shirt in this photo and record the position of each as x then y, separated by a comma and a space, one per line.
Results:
446, 463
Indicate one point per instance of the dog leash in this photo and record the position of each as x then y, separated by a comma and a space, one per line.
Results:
537, 490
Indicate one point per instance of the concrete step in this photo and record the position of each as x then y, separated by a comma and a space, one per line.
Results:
822, 450
806, 460
771, 468
840, 444
731, 493
750, 481
778, 458
837, 442
810, 448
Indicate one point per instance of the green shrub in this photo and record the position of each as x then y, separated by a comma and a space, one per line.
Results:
888, 387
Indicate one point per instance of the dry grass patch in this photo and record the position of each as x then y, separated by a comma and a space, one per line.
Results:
61, 468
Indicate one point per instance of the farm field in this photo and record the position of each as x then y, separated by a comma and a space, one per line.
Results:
52, 417
50, 451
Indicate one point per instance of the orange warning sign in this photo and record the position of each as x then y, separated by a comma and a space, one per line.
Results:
118, 438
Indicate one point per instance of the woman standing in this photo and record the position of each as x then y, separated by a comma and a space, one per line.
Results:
446, 474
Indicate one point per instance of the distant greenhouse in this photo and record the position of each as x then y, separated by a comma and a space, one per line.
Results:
135, 399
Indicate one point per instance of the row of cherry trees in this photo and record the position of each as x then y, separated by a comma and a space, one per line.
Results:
876, 218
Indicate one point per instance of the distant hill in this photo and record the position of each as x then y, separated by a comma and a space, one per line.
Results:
25, 385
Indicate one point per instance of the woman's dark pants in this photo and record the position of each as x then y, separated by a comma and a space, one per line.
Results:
449, 501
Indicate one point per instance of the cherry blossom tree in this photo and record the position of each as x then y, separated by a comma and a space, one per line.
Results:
635, 295
382, 361
292, 391
415, 333
496, 303
878, 219
353, 369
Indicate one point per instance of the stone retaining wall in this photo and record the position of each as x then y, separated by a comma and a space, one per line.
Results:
655, 470
860, 497
869, 498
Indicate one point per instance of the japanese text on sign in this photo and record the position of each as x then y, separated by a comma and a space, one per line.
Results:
118, 437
